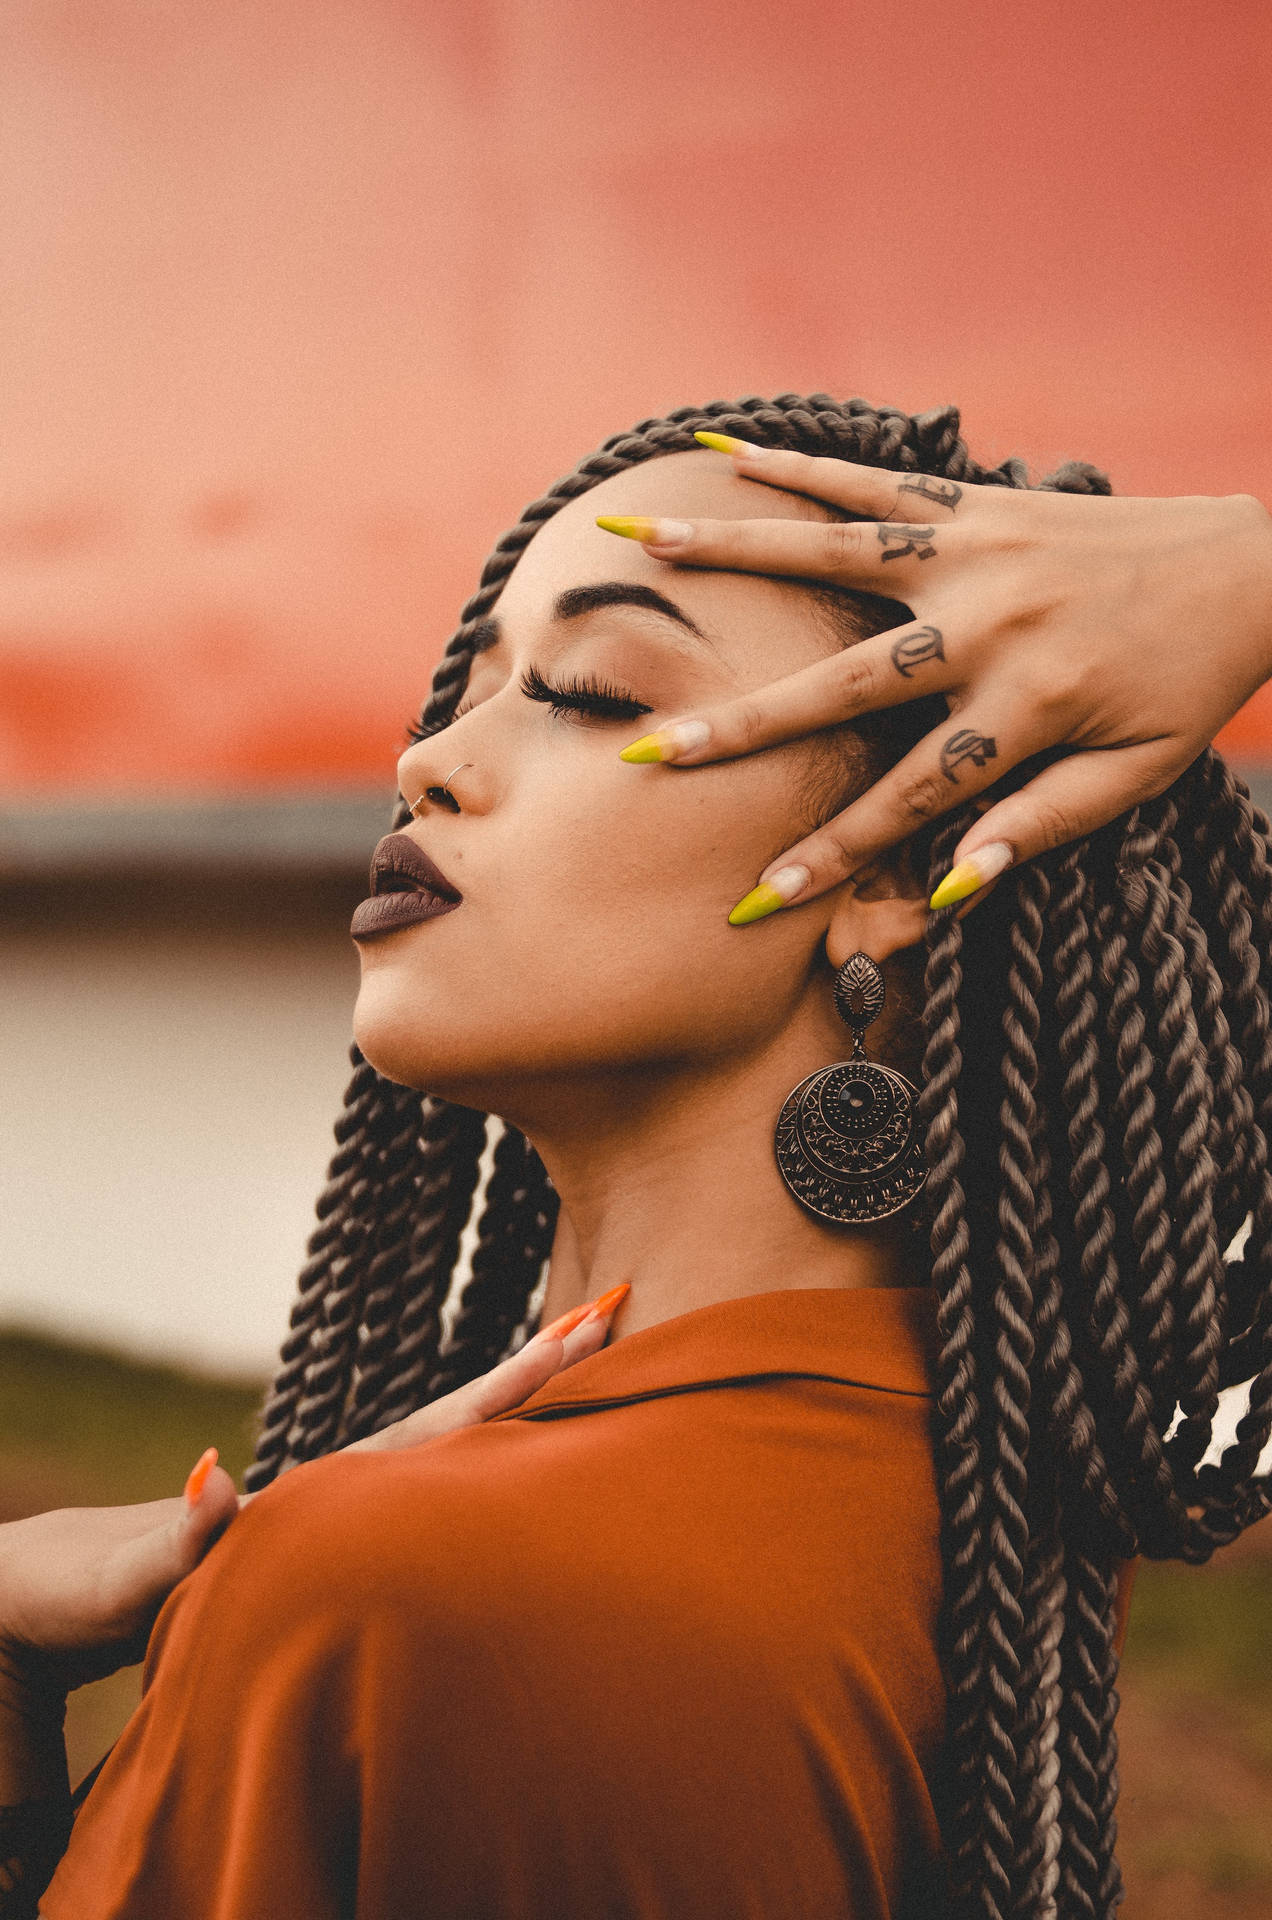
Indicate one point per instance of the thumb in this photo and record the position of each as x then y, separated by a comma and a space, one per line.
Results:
211, 1501
154, 1562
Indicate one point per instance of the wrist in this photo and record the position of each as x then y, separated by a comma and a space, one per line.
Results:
32, 1718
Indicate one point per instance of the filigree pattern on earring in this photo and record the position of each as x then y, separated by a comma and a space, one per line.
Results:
847, 1142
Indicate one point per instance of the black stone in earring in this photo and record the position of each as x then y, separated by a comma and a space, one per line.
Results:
847, 1141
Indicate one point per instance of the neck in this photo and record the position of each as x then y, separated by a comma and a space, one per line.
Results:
673, 1186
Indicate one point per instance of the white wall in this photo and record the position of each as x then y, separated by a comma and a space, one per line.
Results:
165, 1127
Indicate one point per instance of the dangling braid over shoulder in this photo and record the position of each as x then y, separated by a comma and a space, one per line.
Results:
1096, 1096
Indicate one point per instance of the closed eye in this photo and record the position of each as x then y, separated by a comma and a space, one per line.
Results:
583, 694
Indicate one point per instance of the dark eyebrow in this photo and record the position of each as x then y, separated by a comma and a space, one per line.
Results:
575, 602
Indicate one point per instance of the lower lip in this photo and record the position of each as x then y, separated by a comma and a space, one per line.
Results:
385, 911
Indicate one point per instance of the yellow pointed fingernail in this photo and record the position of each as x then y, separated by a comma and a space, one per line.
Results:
973, 872
754, 906
668, 743
725, 443
650, 747
638, 526
770, 895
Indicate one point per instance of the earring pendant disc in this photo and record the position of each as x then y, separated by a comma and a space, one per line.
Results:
847, 1143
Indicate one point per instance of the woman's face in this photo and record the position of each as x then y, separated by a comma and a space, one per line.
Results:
593, 935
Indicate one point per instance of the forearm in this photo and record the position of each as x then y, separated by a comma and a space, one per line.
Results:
35, 1801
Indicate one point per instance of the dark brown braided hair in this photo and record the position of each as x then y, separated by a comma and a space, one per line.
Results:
1096, 1109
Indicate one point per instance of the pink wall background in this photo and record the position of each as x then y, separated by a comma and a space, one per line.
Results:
304, 298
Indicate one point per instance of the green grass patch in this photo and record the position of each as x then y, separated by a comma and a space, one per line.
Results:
1228, 1855
84, 1426
112, 1428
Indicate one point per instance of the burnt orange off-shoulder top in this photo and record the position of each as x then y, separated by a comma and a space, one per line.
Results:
657, 1645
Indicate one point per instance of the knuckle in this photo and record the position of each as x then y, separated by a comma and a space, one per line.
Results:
1058, 689
841, 542
830, 857
1066, 688
1150, 782
1056, 824
747, 723
857, 676
923, 794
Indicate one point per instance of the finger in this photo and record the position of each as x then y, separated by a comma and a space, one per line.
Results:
877, 491
505, 1386
547, 1352
141, 1573
888, 556
1067, 800
904, 663
947, 768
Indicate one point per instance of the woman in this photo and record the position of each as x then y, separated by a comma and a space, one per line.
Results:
663, 1637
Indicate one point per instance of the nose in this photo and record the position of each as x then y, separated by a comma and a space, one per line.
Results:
416, 766
438, 796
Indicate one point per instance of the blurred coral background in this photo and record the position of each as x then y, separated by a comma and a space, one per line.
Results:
300, 304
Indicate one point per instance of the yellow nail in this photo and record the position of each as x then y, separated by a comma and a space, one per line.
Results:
638, 526
957, 884
650, 746
668, 743
761, 900
632, 526
778, 891
985, 864
724, 443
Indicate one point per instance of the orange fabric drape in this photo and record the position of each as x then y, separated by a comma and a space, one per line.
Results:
661, 1642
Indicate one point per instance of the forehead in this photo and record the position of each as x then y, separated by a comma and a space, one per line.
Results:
571, 550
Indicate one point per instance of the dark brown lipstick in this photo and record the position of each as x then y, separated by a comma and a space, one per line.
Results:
405, 888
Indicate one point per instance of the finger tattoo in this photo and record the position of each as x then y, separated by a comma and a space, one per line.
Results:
927, 643
941, 493
966, 744
898, 541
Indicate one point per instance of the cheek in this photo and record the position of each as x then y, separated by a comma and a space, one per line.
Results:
598, 934
656, 852
628, 908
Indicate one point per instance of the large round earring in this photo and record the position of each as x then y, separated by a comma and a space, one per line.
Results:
846, 1140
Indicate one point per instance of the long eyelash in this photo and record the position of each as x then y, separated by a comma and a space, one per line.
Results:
583, 694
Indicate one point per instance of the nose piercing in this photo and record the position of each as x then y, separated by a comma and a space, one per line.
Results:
445, 786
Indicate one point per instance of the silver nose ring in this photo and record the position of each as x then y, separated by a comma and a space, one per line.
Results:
445, 784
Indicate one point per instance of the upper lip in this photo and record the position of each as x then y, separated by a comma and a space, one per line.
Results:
399, 866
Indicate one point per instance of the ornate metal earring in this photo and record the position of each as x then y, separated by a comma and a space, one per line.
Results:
846, 1139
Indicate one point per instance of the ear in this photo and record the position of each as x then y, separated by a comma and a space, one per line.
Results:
884, 907
881, 911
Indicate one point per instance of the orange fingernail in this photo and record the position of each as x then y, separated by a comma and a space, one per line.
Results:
557, 1329
198, 1476
607, 1302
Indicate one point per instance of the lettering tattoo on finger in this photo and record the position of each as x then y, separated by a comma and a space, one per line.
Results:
966, 744
939, 493
898, 541
926, 643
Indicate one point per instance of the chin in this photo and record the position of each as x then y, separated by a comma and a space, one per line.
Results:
422, 1052
398, 1053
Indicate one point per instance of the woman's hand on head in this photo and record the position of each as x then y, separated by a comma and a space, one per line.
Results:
80, 1588
1128, 631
